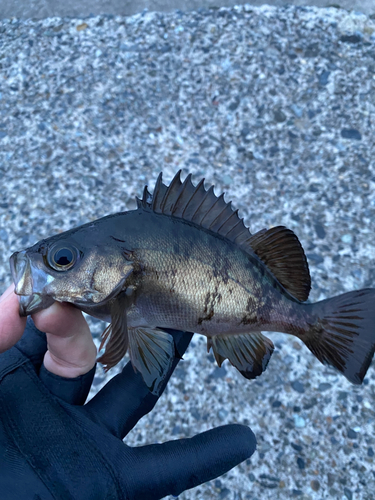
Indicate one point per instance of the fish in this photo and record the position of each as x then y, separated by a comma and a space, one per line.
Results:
184, 259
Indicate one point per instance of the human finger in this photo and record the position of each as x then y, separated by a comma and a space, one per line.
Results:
71, 349
125, 399
176, 466
11, 324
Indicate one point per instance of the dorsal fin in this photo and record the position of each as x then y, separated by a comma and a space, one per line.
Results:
278, 248
281, 251
158, 194
146, 200
195, 204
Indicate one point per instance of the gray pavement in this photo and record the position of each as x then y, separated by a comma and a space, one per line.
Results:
49, 8
274, 106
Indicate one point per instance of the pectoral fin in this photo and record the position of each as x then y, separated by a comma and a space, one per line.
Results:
249, 353
151, 352
117, 335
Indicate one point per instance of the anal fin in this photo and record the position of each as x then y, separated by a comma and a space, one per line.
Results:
151, 353
218, 357
249, 353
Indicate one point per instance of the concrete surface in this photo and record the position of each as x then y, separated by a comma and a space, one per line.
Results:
49, 8
274, 106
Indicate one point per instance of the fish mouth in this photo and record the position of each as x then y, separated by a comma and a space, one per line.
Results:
30, 304
29, 283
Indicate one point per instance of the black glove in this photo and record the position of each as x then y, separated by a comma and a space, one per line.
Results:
52, 447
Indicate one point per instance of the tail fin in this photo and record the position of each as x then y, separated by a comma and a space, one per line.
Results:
343, 334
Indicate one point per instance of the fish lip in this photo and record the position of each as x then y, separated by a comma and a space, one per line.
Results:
30, 304
21, 273
13, 265
25, 277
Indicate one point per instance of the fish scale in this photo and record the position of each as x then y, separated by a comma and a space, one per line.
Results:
191, 283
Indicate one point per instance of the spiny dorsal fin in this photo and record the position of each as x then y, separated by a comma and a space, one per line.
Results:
146, 200
196, 204
281, 251
158, 194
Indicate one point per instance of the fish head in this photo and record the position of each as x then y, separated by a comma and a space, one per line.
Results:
72, 267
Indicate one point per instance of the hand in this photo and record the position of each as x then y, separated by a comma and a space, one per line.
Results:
53, 446
71, 350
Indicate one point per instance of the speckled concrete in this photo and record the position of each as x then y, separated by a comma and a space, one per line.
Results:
273, 106
38, 9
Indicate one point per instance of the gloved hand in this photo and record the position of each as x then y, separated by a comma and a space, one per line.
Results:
54, 447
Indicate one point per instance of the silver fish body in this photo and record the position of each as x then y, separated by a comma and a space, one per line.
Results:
184, 260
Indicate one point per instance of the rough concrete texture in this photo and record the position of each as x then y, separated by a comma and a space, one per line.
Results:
50, 8
275, 106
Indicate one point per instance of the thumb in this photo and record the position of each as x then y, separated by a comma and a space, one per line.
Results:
11, 324
71, 349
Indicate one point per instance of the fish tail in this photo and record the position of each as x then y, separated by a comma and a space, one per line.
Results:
342, 333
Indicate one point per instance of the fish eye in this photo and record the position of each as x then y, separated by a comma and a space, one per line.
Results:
62, 258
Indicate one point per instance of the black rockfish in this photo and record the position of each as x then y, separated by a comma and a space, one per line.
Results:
185, 260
